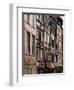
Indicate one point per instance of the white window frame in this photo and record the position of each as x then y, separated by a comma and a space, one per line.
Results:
16, 77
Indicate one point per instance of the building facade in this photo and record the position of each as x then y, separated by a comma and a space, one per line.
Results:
29, 44
43, 44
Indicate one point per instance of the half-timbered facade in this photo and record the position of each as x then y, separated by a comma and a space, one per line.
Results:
43, 43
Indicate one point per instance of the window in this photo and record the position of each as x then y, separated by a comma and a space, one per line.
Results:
52, 43
52, 58
43, 54
60, 46
56, 58
39, 34
38, 17
45, 36
60, 32
28, 42
33, 20
48, 38
42, 19
33, 45
56, 33
28, 18
37, 53
45, 19
42, 36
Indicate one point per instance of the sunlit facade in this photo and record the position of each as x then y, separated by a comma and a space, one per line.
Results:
43, 43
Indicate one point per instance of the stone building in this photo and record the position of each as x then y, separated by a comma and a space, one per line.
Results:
59, 44
56, 41
29, 44
43, 43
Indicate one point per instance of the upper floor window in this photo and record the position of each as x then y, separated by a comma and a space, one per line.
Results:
38, 17
33, 45
28, 18
52, 58
33, 20
28, 42
39, 35
52, 43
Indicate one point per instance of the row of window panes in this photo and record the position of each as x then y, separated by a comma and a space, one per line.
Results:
33, 44
43, 36
41, 54
31, 19
43, 18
